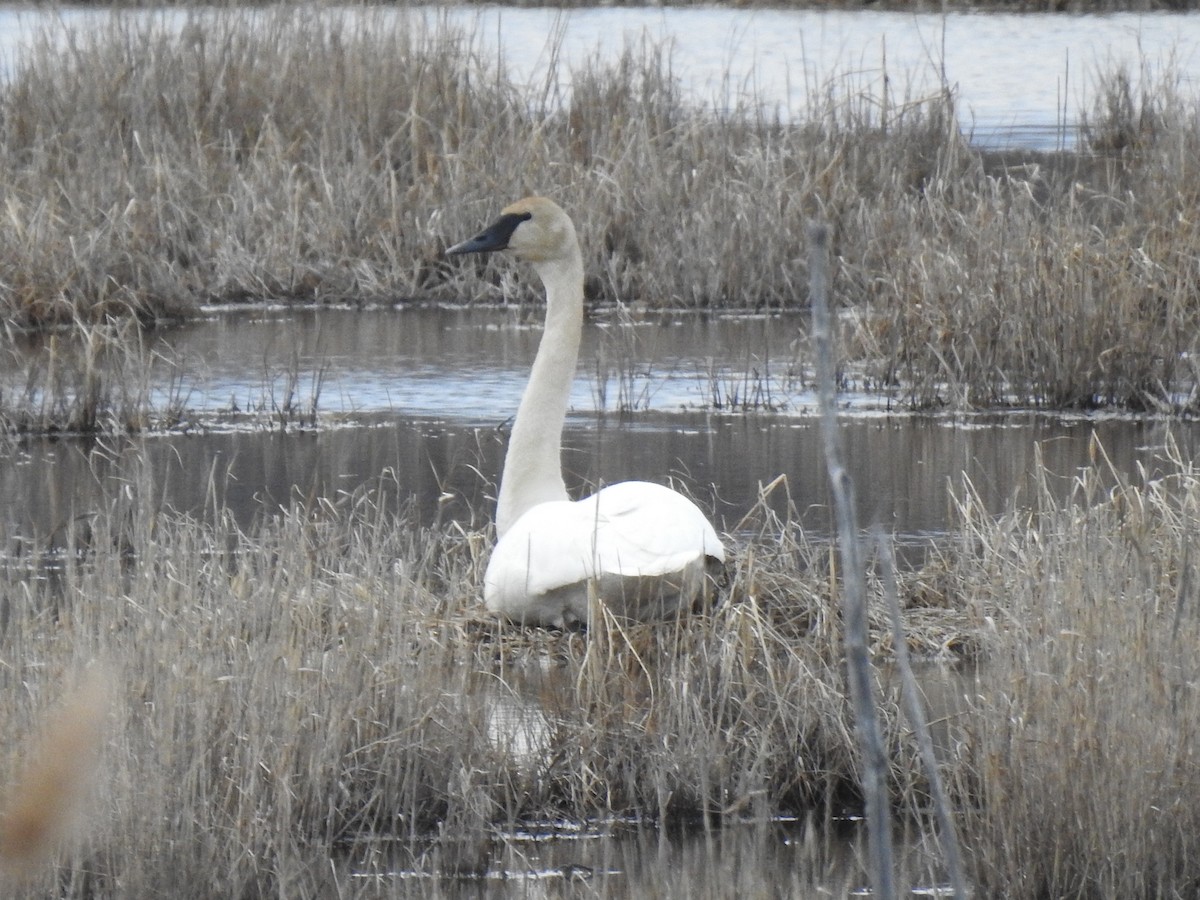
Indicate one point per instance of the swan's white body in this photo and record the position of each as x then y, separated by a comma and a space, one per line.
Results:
641, 548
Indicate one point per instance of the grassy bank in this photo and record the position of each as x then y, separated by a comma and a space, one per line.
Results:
329, 683
305, 157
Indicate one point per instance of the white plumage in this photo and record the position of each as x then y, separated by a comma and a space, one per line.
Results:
642, 548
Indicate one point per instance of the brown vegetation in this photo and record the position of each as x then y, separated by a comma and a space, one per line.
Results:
329, 684
313, 157
331, 680
326, 682
1080, 729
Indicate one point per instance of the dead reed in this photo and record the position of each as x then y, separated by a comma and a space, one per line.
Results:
84, 378
1080, 731
329, 680
316, 156
327, 684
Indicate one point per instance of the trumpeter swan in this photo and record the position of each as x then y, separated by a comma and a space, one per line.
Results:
644, 549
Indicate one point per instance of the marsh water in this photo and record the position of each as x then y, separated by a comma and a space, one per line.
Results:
412, 406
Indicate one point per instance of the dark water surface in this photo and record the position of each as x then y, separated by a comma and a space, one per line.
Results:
620, 861
413, 405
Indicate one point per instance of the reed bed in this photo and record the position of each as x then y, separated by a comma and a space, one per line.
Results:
327, 688
310, 156
330, 681
86, 378
1081, 727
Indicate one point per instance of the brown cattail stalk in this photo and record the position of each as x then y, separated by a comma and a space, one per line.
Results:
45, 802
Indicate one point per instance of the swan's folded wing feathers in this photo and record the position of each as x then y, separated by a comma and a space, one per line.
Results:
630, 529
642, 528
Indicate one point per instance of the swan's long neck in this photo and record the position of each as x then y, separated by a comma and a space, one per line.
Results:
533, 464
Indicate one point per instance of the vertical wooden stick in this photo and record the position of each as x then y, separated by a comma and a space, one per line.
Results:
854, 588
947, 833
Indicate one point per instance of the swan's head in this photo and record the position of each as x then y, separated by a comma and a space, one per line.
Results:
533, 229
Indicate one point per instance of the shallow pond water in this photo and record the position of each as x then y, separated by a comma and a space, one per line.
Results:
619, 860
414, 404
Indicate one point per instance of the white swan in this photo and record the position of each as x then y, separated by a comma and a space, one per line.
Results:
644, 549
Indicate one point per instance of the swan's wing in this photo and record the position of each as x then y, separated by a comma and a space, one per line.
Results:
630, 529
642, 528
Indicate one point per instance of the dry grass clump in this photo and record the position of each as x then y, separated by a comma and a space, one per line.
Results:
1077, 746
1056, 282
85, 378
247, 154
328, 681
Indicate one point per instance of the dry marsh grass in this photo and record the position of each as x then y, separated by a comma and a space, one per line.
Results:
317, 157
90, 379
82, 379
327, 684
329, 680
1081, 726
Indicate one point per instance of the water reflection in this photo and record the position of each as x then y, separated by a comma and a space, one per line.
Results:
621, 860
904, 467
413, 407
472, 364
